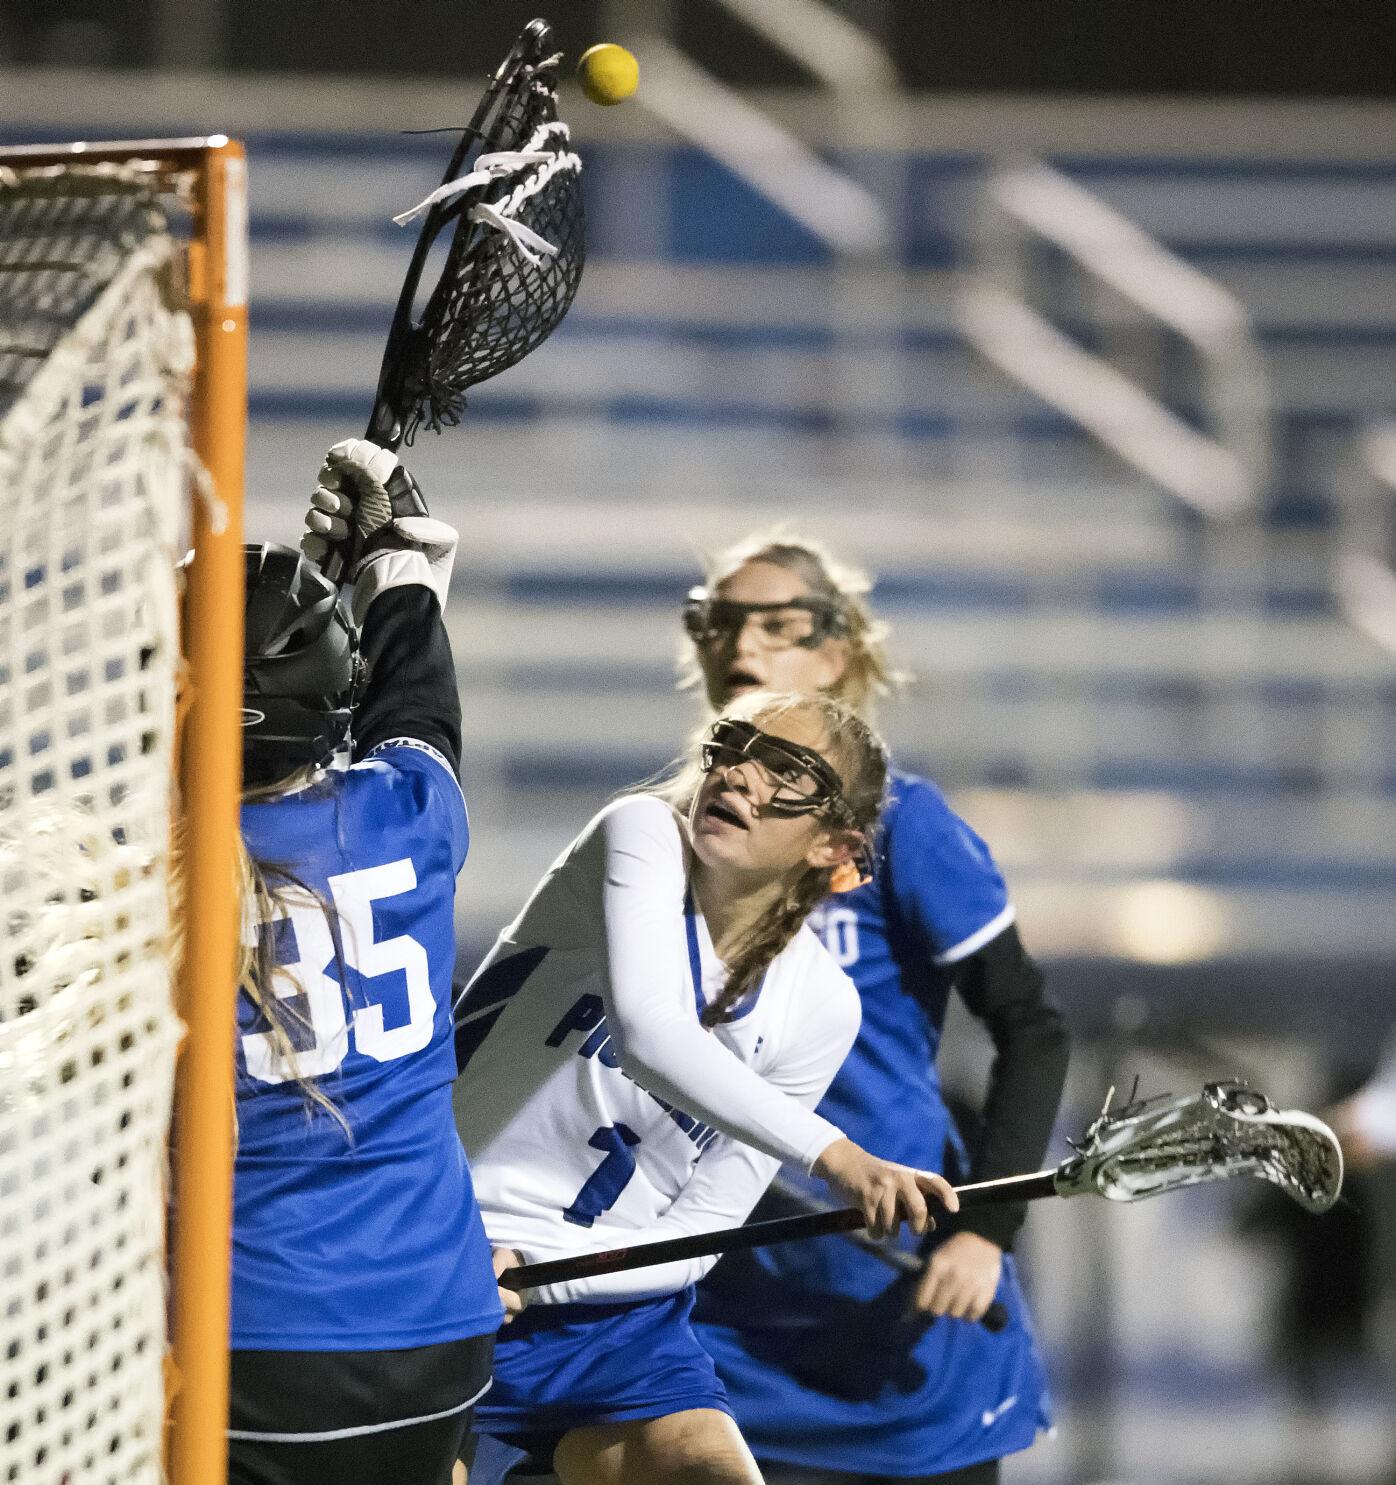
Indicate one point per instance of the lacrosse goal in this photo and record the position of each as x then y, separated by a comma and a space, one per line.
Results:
122, 411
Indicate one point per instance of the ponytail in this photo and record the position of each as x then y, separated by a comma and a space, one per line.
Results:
761, 947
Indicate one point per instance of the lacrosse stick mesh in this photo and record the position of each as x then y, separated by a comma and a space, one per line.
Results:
1231, 1130
499, 297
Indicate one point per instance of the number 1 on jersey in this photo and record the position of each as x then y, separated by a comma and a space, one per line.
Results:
604, 1185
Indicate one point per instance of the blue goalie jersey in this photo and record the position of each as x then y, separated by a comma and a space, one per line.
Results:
360, 1235
812, 1340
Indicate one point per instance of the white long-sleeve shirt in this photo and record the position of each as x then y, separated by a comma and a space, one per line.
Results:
596, 1110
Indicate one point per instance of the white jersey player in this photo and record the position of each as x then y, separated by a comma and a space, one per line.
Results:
554, 1069
642, 1048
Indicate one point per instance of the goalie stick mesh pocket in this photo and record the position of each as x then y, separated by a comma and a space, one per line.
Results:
503, 290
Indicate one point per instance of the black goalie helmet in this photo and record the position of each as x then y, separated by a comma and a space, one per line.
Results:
301, 665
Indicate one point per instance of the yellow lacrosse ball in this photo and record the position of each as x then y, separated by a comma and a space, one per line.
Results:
608, 73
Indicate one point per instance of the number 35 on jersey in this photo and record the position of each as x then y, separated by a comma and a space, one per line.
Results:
311, 970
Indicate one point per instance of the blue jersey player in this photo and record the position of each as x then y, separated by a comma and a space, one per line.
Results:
363, 1298
834, 1368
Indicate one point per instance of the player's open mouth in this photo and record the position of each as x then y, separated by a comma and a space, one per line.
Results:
742, 680
719, 811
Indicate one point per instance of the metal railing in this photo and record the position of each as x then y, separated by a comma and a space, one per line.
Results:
1220, 472
1364, 576
767, 157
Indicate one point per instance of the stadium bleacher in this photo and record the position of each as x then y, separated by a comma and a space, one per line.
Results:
1076, 644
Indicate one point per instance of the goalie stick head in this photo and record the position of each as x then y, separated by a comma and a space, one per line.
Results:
301, 665
1162, 1144
512, 206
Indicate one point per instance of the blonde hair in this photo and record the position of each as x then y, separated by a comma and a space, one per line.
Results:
860, 759
868, 673
265, 889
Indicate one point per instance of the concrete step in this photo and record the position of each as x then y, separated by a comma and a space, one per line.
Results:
1320, 203
759, 379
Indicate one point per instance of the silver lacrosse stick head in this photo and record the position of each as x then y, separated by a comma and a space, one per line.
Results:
1230, 1130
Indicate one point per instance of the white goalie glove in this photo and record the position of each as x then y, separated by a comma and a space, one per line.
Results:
367, 514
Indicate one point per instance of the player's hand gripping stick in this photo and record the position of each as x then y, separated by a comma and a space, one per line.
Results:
366, 503
899, 1260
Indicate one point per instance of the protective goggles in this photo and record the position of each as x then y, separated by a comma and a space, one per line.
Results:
801, 781
804, 622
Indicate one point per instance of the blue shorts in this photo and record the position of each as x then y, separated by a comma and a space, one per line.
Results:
560, 1367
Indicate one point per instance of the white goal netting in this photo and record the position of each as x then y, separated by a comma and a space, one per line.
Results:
95, 356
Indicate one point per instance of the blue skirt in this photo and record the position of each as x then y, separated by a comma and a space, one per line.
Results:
848, 1384
559, 1367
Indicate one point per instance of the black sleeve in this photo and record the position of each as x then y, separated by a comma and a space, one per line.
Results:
410, 690
1005, 989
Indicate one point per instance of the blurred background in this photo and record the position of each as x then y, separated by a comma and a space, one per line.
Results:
1076, 323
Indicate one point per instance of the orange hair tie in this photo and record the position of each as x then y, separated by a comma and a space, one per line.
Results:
847, 878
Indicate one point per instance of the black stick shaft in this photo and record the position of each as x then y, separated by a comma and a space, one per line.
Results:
753, 1235
1008, 1188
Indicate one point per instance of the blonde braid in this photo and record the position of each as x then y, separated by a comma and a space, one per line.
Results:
758, 950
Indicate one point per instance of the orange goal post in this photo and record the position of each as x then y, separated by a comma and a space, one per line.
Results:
123, 294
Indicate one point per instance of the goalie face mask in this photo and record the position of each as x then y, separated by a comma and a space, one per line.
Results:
301, 666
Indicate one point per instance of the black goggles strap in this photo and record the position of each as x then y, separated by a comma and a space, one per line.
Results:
748, 741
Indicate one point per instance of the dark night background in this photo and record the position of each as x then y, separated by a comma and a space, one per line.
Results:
1294, 48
